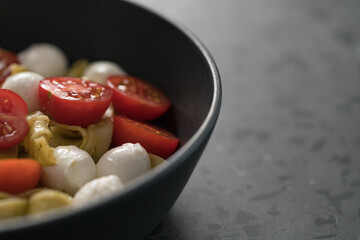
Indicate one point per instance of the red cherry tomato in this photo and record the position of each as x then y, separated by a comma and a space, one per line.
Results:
74, 101
153, 138
13, 124
6, 59
137, 99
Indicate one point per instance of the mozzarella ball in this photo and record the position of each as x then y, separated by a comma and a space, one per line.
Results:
45, 59
98, 71
126, 161
74, 167
96, 189
26, 84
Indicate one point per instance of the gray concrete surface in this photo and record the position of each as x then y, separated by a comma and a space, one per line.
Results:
283, 162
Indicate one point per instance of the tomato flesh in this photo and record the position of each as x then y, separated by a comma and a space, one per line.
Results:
6, 59
137, 99
74, 101
153, 138
13, 124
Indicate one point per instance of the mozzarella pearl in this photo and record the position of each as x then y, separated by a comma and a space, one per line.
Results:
26, 85
97, 189
74, 167
126, 161
45, 59
98, 71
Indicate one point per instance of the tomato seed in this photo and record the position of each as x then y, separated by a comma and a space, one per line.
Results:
6, 129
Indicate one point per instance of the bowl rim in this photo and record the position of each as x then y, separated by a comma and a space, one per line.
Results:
178, 158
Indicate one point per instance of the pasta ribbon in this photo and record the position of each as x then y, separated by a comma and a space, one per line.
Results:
95, 139
36, 142
45, 134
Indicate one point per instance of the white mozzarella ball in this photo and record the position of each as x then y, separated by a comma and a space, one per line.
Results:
126, 161
45, 59
26, 84
98, 71
74, 167
96, 189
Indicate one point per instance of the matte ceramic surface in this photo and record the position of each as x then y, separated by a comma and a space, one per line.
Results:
149, 47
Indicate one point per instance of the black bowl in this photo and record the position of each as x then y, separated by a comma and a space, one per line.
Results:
145, 45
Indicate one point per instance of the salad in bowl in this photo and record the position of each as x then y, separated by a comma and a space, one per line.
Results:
71, 135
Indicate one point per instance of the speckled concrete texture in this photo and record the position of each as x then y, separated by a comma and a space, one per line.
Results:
284, 159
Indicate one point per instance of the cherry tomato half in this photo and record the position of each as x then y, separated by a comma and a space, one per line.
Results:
74, 101
153, 138
6, 59
137, 99
13, 124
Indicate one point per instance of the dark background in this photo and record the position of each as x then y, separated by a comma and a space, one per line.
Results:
283, 162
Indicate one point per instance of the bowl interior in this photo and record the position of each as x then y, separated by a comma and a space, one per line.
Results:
145, 45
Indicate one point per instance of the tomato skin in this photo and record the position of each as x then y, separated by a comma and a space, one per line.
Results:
13, 123
74, 101
19, 175
153, 138
6, 59
137, 99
